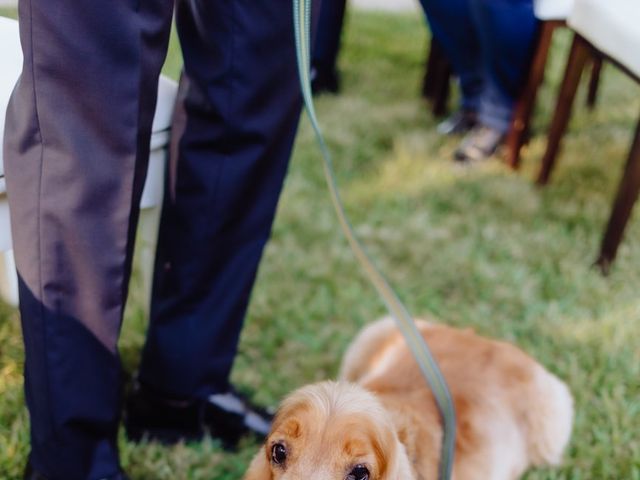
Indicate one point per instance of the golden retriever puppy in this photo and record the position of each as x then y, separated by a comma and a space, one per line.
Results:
380, 421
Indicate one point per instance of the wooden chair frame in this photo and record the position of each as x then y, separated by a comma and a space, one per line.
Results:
629, 187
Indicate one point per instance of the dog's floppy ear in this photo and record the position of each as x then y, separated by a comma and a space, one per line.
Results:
259, 468
391, 455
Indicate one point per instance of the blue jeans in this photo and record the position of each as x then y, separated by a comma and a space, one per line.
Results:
489, 44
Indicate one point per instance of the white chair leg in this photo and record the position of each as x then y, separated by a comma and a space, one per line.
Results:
8, 278
145, 253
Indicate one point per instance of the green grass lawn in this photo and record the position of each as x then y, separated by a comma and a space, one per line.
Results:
478, 247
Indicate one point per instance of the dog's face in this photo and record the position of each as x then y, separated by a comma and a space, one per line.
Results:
329, 431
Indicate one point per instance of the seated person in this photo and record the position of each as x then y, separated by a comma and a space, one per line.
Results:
489, 44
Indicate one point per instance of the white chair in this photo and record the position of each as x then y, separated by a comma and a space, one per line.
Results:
10, 67
607, 30
548, 10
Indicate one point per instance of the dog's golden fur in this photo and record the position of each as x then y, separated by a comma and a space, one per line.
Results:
512, 413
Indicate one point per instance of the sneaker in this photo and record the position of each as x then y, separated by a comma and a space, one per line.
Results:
460, 122
479, 144
227, 416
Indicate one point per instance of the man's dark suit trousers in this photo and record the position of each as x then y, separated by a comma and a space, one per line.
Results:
76, 150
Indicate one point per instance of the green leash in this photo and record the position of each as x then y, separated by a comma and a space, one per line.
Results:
415, 341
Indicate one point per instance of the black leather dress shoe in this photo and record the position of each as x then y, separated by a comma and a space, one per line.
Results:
31, 474
227, 416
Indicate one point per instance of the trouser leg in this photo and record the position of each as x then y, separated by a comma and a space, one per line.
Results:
507, 31
235, 122
453, 26
76, 145
329, 33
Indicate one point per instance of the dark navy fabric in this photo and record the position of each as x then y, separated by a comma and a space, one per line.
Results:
489, 44
329, 33
233, 132
76, 150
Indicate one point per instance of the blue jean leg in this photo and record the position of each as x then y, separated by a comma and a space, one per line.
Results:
454, 26
507, 30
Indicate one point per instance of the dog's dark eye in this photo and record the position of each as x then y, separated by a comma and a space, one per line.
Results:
359, 472
278, 454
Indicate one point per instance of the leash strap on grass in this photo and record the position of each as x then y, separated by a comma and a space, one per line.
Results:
415, 341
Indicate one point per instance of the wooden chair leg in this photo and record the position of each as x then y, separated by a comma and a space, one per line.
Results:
524, 107
580, 51
594, 82
622, 206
